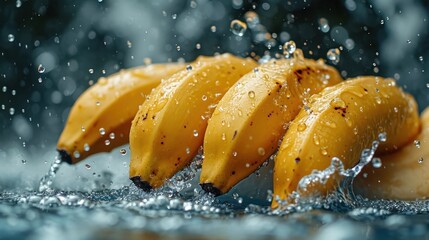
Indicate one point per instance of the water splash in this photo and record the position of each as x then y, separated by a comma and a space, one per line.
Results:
45, 184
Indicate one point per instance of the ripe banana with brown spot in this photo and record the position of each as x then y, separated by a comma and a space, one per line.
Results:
403, 174
100, 119
340, 122
253, 115
169, 128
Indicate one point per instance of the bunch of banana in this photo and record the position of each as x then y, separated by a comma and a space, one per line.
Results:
169, 128
403, 174
100, 119
252, 117
341, 122
240, 112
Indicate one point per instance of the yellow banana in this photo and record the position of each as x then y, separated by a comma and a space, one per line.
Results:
403, 174
249, 121
340, 122
100, 119
169, 128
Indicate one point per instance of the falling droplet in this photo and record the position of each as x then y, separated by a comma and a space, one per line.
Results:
421, 58
333, 55
18, 3
289, 48
10, 37
122, 151
238, 27
41, 69
324, 25
11, 111
376, 162
417, 143
129, 44
251, 94
213, 28
91, 70
102, 131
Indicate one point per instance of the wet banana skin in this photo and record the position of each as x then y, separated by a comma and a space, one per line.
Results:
340, 122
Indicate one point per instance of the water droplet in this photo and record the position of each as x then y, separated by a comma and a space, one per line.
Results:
188, 151
86, 147
10, 37
195, 133
289, 48
333, 55
102, 131
41, 69
238, 27
198, 46
129, 44
18, 3
251, 94
122, 151
421, 58
112, 135
323, 151
76, 154
378, 100
24, 161
324, 25
376, 162
252, 19
98, 103
107, 142
234, 154
301, 127
91, 70
11, 111
255, 70
382, 137
189, 67
213, 28
316, 139
223, 137
408, 41
83, 129
261, 151
87, 166
417, 143
338, 103
420, 160
204, 97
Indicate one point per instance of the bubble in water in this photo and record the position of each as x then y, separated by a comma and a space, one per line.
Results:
10, 37
122, 151
102, 131
333, 55
289, 48
41, 69
87, 166
189, 67
324, 25
195, 133
251, 94
417, 143
252, 19
376, 162
238, 27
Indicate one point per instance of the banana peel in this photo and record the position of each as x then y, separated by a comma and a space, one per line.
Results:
100, 119
340, 122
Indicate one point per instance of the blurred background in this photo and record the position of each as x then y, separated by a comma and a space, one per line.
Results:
51, 51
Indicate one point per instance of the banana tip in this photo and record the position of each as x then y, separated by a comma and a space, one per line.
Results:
141, 184
210, 188
65, 156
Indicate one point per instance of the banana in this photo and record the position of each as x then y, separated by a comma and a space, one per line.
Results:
249, 121
169, 128
403, 174
100, 119
340, 122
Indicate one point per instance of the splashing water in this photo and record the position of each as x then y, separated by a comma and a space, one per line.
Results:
46, 182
